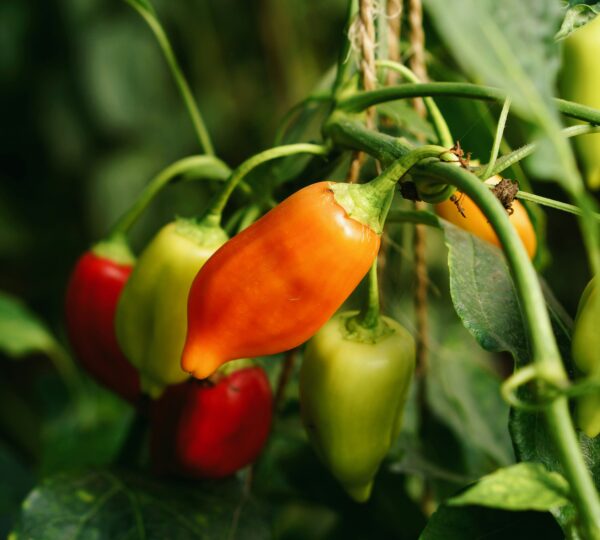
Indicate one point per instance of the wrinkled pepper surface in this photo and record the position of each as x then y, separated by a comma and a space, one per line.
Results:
353, 387
151, 316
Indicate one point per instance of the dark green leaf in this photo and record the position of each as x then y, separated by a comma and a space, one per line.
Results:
21, 331
578, 14
509, 45
477, 523
483, 293
464, 393
17, 480
525, 486
119, 506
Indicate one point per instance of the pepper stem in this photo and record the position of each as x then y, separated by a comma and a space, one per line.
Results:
205, 167
369, 203
215, 210
369, 315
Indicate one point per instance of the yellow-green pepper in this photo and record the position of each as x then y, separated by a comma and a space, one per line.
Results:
586, 354
353, 386
579, 81
151, 320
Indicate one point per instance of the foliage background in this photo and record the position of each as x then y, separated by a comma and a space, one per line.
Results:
89, 113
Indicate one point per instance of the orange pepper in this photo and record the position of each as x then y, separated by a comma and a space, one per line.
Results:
271, 287
476, 223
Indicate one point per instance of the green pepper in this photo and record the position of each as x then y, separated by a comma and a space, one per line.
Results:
151, 320
579, 81
353, 385
586, 354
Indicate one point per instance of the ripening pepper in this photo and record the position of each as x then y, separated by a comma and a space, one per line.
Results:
151, 315
579, 82
272, 286
475, 222
91, 301
205, 429
586, 354
353, 387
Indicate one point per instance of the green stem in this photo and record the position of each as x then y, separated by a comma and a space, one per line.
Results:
551, 203
215, 210
521, 153
363, 100
498, 137
418, 217
545, 354
369, 315
201, 132
544, 348
439, 123
208, 167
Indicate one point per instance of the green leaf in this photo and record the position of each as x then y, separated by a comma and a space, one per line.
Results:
119, 506
483, 293
477, 523
511, 45
578, 14
525, 486
17, 480
22, 333
464, 393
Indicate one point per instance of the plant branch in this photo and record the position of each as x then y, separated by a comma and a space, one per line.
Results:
439, 123
201, 132
215, 209
498, 138
194, 167
544, 348
361, 101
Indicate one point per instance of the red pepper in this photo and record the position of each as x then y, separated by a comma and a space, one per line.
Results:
272, 286
91, 301
211, 430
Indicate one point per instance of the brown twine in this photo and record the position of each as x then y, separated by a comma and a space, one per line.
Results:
394, 18
364, 32
417, 64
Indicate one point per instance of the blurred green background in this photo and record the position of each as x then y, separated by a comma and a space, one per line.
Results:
89, 113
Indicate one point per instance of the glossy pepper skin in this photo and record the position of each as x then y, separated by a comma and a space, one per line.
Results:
586, 354
91, 301
476, 223
151, 315
352, 396
205, 430
579, 81
276, 283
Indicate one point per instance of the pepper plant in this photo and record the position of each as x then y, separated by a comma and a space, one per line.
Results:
277, 379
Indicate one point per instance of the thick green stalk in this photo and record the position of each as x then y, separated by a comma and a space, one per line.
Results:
208, 167
364, 100
545, 352
201, 132
215, 210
